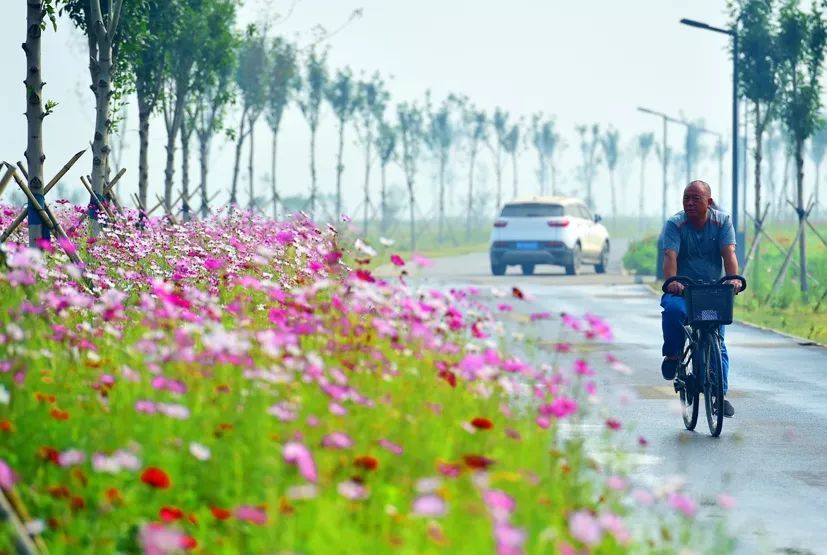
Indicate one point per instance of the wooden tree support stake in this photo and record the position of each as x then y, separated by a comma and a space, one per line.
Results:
100, 203
22, 167
783, 252
757, 239
5, 181
169, 213
798, 237
24, 544
58, 176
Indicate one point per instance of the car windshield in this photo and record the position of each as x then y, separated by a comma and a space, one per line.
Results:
530, 210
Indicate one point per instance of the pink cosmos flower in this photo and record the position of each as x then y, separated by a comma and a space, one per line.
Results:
421, 261
682, 503
7, 476
337, 440
397, 260
352, 490
582, 368
559, 408
585, 528
390, 446
297, 454
726, 501
429, 505
251, 514
71, 457
213, 264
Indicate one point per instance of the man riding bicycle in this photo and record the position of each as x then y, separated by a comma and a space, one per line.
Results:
696, 241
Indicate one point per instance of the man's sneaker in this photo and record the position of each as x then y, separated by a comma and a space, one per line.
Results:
668, 368
729, 410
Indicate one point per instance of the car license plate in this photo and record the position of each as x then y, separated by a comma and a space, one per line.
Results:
527, 246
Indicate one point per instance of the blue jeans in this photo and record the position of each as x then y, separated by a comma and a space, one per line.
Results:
672, 320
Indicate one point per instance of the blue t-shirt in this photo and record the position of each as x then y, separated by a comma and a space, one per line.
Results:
699, 250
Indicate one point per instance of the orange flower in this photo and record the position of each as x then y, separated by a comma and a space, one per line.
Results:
58, 414
77, 503
59, 492
114, 496
482, 423
366, 462
6, 426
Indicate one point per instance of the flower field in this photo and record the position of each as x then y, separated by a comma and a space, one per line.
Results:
240, 385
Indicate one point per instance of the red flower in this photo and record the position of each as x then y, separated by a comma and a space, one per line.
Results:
366, 462
482, 423
170, 514
449, 377
642, 441
365, 275
613, 424
517, 293
477, 461
187, 542
58, 414
219, 513
77, 503
155, 477
49, 454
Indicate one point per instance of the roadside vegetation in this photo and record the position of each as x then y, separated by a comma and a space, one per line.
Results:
234, 386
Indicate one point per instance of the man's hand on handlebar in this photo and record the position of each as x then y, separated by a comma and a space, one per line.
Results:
736, 283
676, 288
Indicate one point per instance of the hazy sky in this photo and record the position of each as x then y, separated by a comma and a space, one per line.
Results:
583, 61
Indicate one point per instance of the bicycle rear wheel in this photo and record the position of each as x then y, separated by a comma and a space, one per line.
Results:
690, 394
713, 385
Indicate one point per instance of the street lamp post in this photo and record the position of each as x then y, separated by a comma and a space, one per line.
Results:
669, 119
734, 34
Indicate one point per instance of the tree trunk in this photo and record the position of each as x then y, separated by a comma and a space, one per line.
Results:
642, 198
514, 171
34, 118
313, 186
413, 220
100, 68
250, 168
383, 200
239, 143
185, 173
274, 190
470, 204
144, 112
817, 208
499, 169
173, 127
368, 143
204, 152
758, 155
802, 243
553, 173
721, 187
784, 183
443, 162
340, 168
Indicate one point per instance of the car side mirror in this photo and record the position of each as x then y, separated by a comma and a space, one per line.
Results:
597, 218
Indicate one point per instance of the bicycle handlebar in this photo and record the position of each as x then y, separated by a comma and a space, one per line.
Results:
688, 282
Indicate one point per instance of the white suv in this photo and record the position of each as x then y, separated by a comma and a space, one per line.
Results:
548, 230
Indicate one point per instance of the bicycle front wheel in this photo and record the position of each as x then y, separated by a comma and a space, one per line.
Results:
690, 396
713, 385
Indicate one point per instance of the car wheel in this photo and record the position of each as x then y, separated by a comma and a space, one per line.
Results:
603, 264
498, 269
573, 267
528, 269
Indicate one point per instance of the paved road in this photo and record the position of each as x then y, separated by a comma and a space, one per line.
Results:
772, 457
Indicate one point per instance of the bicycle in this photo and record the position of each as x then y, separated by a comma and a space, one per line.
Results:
700, 368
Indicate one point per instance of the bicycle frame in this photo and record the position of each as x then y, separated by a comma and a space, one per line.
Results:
694, 335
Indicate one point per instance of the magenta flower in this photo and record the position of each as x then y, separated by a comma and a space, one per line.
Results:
297, 454
397, 260
390, 446
559, 408
213, 264
7, 476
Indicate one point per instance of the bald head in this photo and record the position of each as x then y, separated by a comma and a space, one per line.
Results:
697, 200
